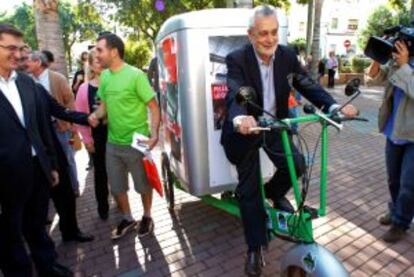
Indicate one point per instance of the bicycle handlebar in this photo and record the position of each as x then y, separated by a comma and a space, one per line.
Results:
266, 124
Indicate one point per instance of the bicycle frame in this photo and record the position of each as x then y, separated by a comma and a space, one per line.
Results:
297, 227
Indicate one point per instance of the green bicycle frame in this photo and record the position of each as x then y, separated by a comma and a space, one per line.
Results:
296, 226
324, 160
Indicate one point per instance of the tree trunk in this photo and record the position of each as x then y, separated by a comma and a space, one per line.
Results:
309, 27
239, 3
412, 10
49, 32
69, 55
316, 38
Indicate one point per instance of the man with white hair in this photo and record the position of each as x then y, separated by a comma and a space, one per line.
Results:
265, 66
62, 194
57, 85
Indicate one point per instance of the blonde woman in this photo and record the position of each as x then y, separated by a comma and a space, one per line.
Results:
94, 139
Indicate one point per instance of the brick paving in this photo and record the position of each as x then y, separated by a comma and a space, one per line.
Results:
199, 240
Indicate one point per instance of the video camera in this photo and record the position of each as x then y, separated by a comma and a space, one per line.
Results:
380, 49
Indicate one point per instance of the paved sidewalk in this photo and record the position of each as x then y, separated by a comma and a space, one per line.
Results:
198, 240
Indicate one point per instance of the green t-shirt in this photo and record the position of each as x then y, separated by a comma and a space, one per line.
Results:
125, 94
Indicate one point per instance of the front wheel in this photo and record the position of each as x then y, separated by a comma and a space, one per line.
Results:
311, 260
167, 180
295, 271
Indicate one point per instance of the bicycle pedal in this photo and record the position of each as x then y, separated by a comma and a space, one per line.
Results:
312, 211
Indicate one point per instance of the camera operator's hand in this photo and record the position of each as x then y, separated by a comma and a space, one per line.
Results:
402, 55
374, 69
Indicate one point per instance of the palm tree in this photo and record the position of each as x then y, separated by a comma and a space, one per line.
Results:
309, 27
49, 31
412, 10
239, 3
316, 38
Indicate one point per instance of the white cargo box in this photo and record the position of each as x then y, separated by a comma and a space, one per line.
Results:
191, 49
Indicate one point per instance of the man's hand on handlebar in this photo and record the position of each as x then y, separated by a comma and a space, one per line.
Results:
349, 111
244, 124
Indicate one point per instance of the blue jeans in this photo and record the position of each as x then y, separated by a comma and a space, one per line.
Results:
400, 169
64, 138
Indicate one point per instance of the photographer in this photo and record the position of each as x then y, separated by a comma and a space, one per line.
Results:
396, 122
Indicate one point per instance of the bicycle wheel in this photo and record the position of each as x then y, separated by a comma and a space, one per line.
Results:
167, 180
295, 271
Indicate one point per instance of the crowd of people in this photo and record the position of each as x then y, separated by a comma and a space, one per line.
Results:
108, 102
42, 114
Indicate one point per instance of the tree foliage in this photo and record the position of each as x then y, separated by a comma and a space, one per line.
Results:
79, 23
277, 3
23, 19
381, 19
299, 43
137, 53
144, 17
397, 4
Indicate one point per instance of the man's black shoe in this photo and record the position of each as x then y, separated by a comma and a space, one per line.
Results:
57, 270
394, 234
103, 215
385, 219
103, 211
283, 204
123, 228
79, 237
254, 263
146, 226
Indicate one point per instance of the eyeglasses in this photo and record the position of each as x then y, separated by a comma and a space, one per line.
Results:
15, 48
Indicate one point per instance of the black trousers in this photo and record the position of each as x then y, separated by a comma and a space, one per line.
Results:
248, 190
100, 135
65, 203
331, 78
27, 220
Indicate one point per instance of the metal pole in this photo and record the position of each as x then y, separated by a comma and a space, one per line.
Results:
324, 169
239, 3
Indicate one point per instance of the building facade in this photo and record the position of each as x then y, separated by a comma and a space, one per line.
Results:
341, 22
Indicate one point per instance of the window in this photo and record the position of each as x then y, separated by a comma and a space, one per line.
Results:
301, 26
334, 23
352, 24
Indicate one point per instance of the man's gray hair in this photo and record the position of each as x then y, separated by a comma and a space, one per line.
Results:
261, 11
39, 56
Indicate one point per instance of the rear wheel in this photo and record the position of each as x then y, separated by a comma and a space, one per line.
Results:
167, 180
295, 271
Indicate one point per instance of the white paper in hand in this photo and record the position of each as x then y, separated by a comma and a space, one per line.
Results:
138, 142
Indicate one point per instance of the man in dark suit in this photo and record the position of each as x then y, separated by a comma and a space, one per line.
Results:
265, 66
27, 168
62, 194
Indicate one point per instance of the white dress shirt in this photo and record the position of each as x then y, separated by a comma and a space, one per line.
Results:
9, 89
268, 85
43, 79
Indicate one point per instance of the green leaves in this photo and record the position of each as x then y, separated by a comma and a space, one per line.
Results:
23, 19
79, 23
381, 19
137, 53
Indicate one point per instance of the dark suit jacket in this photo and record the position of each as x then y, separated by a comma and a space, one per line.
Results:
243, 70
53, 108
16, 142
